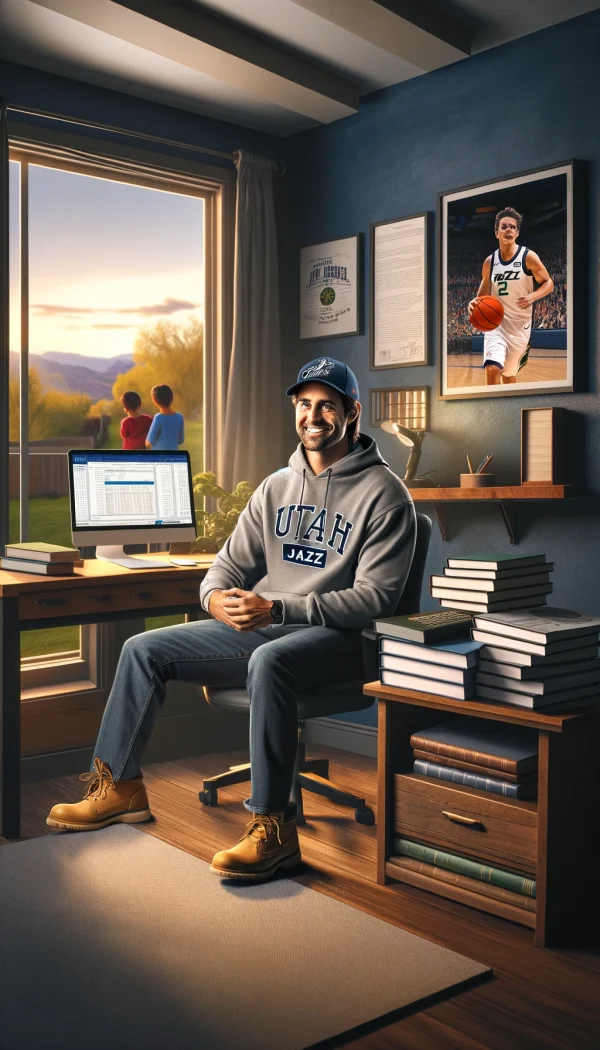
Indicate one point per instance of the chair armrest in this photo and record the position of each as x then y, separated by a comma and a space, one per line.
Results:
370, 655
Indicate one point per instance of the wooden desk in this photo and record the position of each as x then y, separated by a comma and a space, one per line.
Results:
554, 836
99, 592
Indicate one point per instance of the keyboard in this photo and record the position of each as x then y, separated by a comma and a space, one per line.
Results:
137, 563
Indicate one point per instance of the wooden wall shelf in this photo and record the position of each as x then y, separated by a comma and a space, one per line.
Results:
504, 495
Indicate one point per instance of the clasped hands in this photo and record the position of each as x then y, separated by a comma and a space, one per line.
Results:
242, 610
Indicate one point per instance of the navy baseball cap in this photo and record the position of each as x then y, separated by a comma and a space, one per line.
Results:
331, 372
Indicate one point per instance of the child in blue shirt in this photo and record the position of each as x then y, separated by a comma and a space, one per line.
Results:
166, 430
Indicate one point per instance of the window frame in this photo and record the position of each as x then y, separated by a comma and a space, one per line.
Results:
90, 669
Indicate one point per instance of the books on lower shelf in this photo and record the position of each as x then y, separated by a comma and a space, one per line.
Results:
437, 672
486, 889
477, 607
461, 653
539, 686
540, 626
530, 665
526, 790
497, 745
543, 649
533, 701
506, 880
474, 767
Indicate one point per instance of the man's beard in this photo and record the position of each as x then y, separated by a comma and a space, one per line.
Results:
321, 441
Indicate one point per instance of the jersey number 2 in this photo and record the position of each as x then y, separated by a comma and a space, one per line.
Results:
502, 287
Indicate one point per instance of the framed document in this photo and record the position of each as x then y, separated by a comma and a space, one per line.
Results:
329, 288
398, 328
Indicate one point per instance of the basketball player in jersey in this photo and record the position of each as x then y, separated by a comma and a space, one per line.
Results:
510, 273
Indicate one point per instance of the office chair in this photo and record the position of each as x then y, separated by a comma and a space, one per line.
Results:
313, 774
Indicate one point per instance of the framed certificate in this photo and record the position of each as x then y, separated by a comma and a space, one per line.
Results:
399, 300
329, 288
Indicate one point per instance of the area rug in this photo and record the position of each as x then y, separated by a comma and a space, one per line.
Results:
117, 941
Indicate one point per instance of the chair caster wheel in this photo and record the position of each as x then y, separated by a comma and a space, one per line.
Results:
209, 797
364, 816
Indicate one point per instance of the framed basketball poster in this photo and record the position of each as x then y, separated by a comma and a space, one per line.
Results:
330, 288
511, 258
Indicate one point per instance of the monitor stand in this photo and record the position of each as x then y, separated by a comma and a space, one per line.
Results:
116, 555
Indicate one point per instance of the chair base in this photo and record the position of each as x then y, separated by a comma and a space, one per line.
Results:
310, 774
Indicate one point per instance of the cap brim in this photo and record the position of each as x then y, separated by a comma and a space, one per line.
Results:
292, 389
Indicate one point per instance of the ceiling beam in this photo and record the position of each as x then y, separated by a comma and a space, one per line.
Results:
409, 29
217, 48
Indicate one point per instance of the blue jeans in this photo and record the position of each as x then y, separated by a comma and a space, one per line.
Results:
273, 663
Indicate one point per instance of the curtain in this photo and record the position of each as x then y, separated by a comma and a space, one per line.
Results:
252, 445
4, 329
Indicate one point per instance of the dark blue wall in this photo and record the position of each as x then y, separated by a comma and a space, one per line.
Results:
522, 106
23, 86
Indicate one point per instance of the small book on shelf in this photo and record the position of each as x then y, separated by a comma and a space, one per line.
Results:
496, 876
550, 663
485, 889
497, 745
463, 691
491, 598
543, 650
510, 583
496, 561
425, 627
419, 667
473, 767
500, 575
535, 700
539, 625
542, 686
44, 552
480, 607
525, 674
510, 789
453, 654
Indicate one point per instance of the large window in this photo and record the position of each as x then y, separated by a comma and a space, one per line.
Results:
113, 284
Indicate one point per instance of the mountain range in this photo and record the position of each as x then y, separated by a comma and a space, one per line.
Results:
76, 373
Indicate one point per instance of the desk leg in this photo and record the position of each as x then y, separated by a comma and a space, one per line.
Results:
10, 718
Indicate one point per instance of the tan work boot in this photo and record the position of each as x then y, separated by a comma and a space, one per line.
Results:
105, 802
269, 844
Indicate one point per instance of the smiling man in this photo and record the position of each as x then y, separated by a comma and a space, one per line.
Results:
323, 546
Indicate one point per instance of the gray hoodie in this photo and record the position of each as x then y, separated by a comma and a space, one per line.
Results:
335, 547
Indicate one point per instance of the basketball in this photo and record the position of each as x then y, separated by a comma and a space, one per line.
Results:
487, 313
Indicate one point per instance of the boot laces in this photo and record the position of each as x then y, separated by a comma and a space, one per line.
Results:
100, 780
262, 823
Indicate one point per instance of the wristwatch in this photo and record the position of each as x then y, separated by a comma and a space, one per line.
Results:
277, 611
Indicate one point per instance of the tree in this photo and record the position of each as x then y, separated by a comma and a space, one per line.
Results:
51, 413
167, 353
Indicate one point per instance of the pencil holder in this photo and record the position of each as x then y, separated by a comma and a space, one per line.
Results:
477, 481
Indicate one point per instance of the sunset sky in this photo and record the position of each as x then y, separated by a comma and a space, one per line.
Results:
105, 259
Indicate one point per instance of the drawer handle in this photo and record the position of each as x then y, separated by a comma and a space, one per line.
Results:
101, 598
456, 818
50, 601
143, 594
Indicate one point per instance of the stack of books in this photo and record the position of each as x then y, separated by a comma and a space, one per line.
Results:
518, 890
428, 652
43, 559
499, 757
536, 657
493, 582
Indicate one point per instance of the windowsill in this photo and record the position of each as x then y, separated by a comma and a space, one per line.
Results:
60, 689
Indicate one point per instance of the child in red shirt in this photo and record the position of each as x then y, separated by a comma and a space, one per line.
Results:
136, 424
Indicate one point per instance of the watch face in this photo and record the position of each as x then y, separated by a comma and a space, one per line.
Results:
277, 611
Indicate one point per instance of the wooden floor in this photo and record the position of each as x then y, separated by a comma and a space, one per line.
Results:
538, 999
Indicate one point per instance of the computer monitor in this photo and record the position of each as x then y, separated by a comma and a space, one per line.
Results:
127, 496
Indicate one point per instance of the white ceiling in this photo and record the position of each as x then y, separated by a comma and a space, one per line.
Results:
275, 65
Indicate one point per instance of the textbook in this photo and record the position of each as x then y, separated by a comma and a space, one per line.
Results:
533, 701
496, 876
485, 889
540, 579
493, 597
44, 552
527, 790
497, 745
466, 691
500, 574
477, 607
551, 663
472, 767
539, 625
425, 627
544, 686
425, 670
452, 654
567, 646
539, 673
39, 568
496, 561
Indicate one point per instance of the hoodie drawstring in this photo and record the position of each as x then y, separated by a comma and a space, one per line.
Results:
302, 497
300, 504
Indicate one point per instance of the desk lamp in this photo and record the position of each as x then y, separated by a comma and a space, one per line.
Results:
405, 415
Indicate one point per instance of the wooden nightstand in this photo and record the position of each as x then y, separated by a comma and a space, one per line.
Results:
552, 840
